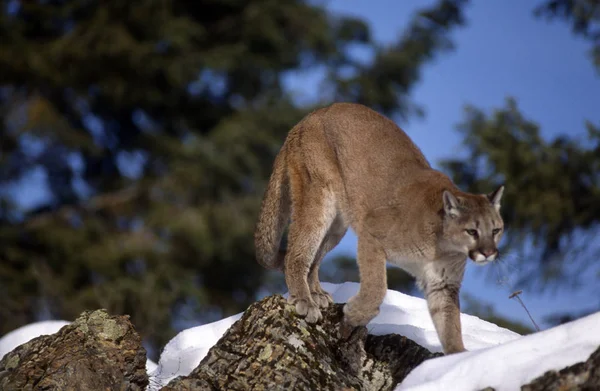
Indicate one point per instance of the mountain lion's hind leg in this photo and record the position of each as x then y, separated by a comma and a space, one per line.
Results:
334, 235
312, 215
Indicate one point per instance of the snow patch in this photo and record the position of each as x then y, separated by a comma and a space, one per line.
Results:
400, 314
24, 334
512, 364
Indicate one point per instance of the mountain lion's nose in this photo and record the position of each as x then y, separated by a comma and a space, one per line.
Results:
488, 252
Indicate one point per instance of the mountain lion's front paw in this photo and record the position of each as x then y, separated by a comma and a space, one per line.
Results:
322, 298
306, 308
355, 316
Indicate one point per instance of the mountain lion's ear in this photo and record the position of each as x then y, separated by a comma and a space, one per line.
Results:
450, 204
496, 196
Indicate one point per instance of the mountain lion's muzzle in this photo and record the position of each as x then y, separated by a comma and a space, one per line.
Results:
484, 255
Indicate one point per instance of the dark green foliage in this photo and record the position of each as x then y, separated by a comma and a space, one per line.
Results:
583, 15
552, 193
565, 317
157, 123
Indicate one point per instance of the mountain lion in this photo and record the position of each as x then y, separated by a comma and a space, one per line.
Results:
346, 165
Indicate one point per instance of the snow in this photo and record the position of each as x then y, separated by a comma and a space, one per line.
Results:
512, 364
14, 338
184, 352
409, 316
497, 357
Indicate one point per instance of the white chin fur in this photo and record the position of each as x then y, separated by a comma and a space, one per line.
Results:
480, 259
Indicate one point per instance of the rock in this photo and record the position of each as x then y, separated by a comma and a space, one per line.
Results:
271, 348
96, 352
583, 376
268, 348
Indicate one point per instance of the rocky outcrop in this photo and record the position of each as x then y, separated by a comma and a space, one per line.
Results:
271, 348
268, 348
95, 352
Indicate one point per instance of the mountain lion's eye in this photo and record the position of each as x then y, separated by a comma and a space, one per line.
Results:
496, 231
472, 232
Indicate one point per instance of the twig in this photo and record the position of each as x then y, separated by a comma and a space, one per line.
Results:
516, 295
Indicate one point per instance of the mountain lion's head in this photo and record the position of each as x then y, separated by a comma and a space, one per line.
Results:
473, 225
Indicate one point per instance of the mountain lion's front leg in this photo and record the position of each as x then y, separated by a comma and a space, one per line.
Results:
444, 307
364, 306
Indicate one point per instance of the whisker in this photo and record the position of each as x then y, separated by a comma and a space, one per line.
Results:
501, 280
512, 262
506, 269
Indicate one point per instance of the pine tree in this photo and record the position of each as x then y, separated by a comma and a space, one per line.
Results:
552, 194
552, 198
155, 124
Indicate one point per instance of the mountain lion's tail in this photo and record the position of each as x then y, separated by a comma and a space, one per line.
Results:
273, 217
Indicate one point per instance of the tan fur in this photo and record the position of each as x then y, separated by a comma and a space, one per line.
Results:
344, 166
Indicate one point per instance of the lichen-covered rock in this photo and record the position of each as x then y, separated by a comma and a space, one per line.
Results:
271, 348
583, 376
95, 352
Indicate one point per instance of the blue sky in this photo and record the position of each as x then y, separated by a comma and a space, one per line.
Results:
502, 51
